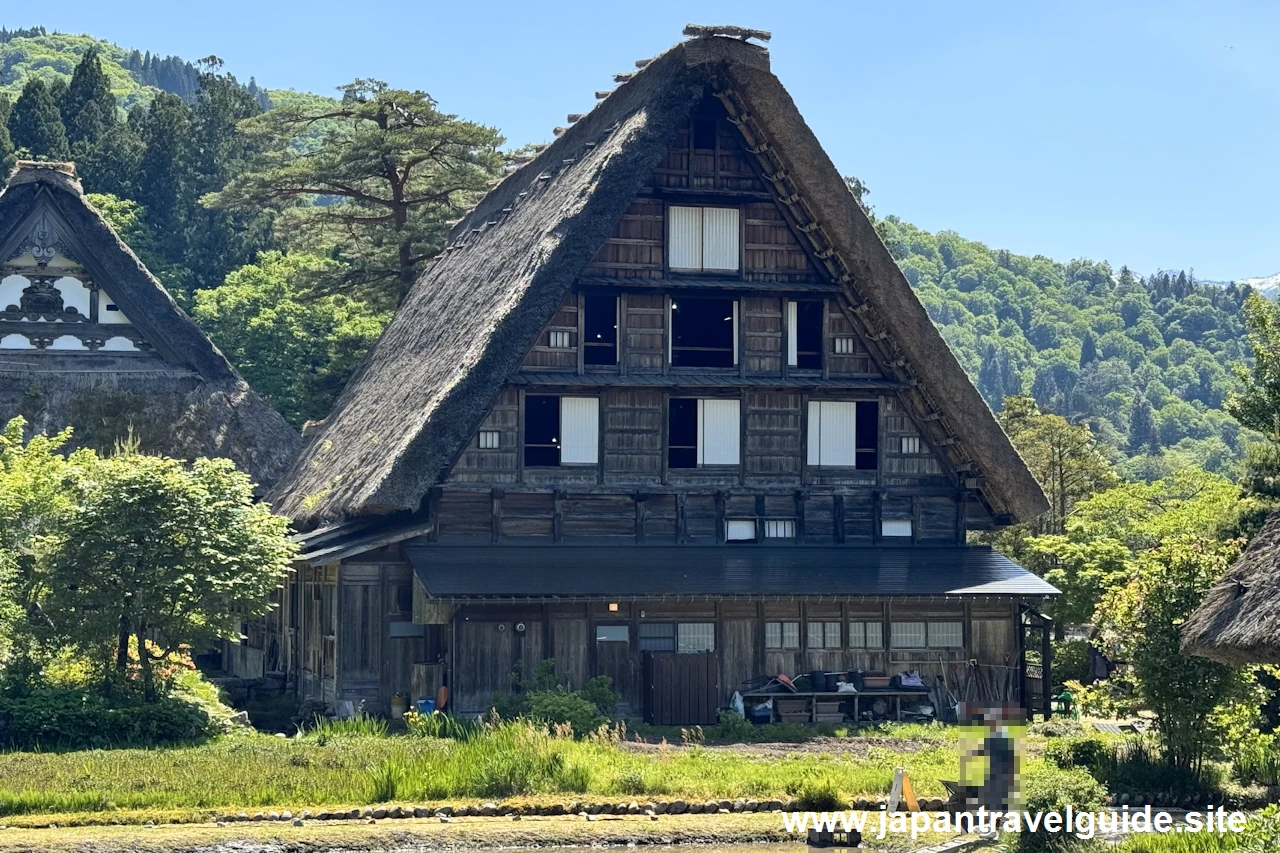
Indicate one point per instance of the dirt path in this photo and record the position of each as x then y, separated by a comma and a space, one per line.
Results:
857, 747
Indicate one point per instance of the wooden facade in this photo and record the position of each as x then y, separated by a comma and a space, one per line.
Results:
804, 437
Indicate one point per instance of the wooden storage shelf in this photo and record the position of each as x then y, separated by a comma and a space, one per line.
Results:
824, 707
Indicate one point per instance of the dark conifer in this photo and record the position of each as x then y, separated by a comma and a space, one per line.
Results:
36, 125
89, 108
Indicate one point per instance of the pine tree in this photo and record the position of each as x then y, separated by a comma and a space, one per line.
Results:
1142, 426
35, 124
1088, 350
89, 108
7, 155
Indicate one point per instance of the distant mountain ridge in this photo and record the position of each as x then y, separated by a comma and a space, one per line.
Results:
1268, 286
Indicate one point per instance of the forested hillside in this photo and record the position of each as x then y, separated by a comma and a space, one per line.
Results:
135, 76
1146, 362
293, 274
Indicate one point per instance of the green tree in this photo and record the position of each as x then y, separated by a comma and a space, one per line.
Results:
35, 499
1144, 619
1108, 532
1064, 457
391, 170
1142, 426
296, 349
1257, 404
35, 124
216, 242
88, 108
168, 555
1088, 351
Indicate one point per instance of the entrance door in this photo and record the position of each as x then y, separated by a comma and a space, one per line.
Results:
614, 658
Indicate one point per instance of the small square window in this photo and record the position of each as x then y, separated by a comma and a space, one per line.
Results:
779, 528
111, 306
613, 634
946, 635
657, 636
844, 346
740, 530
875, 635
908, 635
911, 444
490, 439
696, 637
866, 635
824, 635
896, 528
857, 635
782, 635
559, 339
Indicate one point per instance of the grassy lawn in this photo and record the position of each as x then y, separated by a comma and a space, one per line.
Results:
247, 772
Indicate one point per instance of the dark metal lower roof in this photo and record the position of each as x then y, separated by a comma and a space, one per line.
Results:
498, 571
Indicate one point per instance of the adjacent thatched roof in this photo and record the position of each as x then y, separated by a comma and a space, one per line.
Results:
184, 399
1239, 620
465, 326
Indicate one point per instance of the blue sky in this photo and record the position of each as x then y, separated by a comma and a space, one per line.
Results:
1144, 133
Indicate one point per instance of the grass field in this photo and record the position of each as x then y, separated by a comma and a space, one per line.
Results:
255, 771
713, 834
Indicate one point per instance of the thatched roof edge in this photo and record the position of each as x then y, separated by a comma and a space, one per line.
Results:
1238, 622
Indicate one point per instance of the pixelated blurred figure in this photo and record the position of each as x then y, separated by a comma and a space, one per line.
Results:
990, 758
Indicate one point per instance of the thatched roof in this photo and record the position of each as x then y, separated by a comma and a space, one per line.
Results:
182, 398
1239, 620
466, 324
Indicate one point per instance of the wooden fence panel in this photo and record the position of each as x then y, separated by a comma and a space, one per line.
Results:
681, 689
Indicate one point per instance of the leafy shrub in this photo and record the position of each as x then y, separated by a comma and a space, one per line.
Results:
732, 726
1071, 661
1085, 752
599, 692
1138, 765
52, 718
1256, 760
1054, 790
560, 707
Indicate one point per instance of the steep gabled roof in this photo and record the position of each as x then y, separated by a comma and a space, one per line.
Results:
467, 323
1238, 622
193, 399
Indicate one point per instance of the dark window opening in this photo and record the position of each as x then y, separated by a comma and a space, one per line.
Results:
541, 431
682, 433
704, 133
657, 637
867, 435
404, 598
702, 332
600, 329
809, 317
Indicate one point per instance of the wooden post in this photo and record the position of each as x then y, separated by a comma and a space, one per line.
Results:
557, 519
495, 514
837, 517
1046, 657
